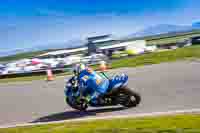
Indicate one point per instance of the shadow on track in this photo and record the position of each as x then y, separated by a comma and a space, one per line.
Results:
75, 114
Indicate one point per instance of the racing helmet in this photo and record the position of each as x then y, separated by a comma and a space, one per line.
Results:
78, 68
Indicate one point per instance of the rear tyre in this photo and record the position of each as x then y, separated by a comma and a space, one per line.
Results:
130, 97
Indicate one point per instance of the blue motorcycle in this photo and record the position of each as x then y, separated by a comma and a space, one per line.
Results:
118, 94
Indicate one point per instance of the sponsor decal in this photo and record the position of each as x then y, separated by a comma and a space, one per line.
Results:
85, 78
98, 81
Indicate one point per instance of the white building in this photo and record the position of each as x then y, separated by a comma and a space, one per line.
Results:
62, 53
105, 44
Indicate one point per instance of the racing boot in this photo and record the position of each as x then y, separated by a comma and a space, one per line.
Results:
96, 100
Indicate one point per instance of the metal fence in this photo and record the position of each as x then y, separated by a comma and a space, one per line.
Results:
32, 73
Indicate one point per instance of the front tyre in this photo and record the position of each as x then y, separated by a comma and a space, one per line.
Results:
129, 98
81, 106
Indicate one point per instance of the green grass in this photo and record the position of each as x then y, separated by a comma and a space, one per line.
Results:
167, 38
189, 123
171, 39
159, 57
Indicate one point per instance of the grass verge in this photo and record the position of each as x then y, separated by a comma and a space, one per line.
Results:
159, 57
189, 123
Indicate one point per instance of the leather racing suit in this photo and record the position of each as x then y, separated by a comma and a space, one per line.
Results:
92, 84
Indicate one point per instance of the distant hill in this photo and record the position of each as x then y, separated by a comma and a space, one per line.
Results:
196, 25
161, 29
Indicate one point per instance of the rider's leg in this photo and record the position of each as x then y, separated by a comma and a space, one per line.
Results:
99, 91
94, 99
96, 95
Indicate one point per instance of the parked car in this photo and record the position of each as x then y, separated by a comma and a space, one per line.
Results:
94, 58
2, 67
150, 48
50, 62
30, 68
135, 51
72, 59
13, 69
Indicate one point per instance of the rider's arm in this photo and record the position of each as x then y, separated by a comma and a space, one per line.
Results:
104, 74
81, 86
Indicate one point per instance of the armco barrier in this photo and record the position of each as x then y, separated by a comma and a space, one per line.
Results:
33, 73
40, 72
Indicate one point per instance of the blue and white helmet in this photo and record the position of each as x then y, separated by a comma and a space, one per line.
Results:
78, 68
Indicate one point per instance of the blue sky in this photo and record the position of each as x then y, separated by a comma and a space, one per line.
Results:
32, 23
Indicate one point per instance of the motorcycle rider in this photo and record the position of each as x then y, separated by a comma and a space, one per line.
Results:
91, 84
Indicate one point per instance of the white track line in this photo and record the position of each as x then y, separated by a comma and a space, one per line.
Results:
109, 117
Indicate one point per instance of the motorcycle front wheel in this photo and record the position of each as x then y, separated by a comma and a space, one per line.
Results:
129, 98
82, 105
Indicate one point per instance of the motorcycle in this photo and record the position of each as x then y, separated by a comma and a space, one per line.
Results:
118, 94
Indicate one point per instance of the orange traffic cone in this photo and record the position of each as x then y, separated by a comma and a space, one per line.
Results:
102, 66
49, 75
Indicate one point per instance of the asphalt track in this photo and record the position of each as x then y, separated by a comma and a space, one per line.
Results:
163, 87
